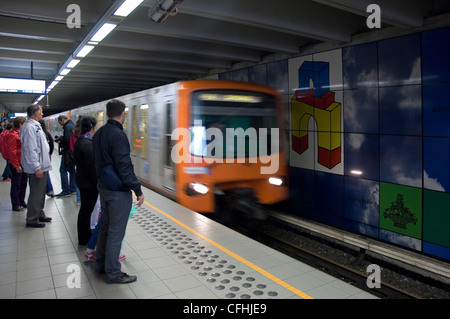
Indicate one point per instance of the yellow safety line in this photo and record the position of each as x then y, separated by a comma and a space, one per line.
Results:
244, 261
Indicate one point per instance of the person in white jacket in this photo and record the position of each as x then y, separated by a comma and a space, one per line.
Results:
36, 163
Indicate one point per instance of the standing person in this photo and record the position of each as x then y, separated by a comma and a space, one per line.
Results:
7, 171
67, 161
36, 163
49, 189
73, 138
86, 177
111, 147
18, 177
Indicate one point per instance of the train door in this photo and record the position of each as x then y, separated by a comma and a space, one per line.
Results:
138, 110
168, 171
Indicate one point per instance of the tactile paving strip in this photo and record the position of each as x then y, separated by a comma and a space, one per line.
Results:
206, 264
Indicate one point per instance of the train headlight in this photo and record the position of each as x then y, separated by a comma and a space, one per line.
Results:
196, 189
276, 181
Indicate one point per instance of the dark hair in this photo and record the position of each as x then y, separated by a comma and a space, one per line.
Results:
87, 123
33, 108
43, 125
114, 108
62, 117
19, 120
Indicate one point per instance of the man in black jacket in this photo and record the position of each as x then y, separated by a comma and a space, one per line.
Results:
111, 147
67, 161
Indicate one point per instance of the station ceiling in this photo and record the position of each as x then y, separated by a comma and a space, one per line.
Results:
204, 37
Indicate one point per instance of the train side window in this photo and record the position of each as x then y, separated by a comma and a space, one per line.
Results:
134, 130
143, 130
125, 123
100, 119
168, 134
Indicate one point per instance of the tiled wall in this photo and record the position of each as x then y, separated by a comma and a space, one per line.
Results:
369, 137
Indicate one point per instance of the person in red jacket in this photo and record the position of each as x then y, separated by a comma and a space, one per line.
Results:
7, 171
18, 177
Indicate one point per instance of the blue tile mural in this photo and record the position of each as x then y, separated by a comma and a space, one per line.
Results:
369, 137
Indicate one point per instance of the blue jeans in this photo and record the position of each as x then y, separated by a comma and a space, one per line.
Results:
7, 171
63, 170
116, 208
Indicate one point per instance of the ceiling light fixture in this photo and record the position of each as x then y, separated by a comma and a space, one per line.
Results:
84, 51
163, 9
109, 20
103, 31
127, 7
73, 63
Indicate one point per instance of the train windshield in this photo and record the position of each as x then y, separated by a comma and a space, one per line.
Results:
231, 123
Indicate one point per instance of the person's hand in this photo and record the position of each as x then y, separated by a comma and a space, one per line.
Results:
140, 200
39, 174
19, 169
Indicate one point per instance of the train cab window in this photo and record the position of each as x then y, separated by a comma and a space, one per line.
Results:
142, 140
244, 112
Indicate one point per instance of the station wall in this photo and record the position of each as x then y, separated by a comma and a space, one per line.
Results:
369, 137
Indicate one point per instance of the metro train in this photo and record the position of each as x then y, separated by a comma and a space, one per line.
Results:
204, 142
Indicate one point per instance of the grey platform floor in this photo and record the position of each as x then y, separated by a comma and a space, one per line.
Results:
175, 253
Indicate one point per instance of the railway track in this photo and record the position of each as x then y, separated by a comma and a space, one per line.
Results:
337, 259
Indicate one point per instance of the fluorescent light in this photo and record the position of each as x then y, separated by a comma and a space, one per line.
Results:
85, 51
103, 32
52, 85
356, 172
144, 106
64, 72
59, 78
73, 63
127, 7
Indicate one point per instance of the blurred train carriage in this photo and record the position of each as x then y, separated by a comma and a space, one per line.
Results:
204, 142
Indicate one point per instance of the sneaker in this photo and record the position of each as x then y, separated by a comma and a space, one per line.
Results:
62, 194
90, 255
18, 209
123, 278
121, 257
7, 180
51, 194
35, 225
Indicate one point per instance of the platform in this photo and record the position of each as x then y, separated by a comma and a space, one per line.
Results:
174, 252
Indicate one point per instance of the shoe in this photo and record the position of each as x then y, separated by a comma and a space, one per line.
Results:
90, 255
62, 194
7, 180
45, 219
36, 225
123, 278
51, 194
24, 205
18, 209
121, 257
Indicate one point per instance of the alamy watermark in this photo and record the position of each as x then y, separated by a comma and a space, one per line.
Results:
374, 19
195, 141
74, 279
74, 18
374, 276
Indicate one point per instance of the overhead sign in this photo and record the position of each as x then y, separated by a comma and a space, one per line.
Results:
31, 86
